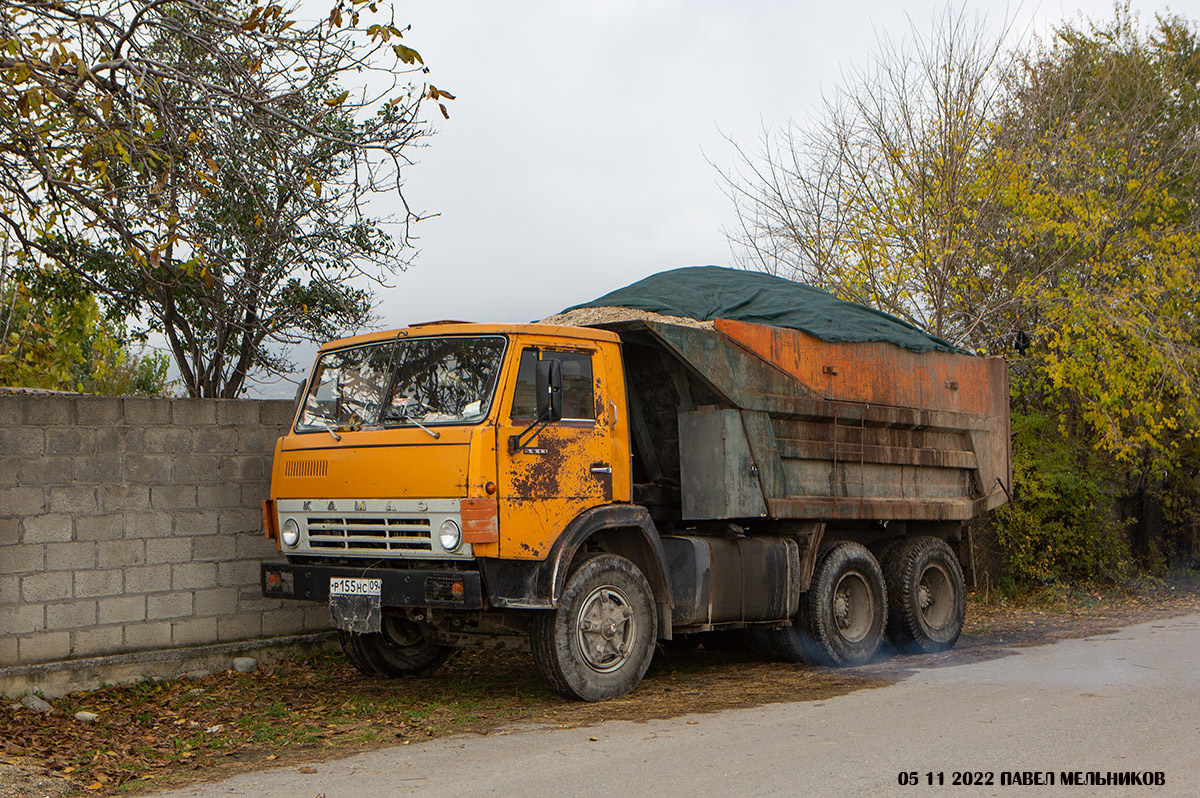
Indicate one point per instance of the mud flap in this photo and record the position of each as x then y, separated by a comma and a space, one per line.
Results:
358, 614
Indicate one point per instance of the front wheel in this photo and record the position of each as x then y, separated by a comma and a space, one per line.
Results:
599, 641
399, 648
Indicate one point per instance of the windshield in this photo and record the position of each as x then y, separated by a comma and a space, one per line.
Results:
404, 381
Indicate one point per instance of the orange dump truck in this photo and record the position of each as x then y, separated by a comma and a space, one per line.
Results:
584, 493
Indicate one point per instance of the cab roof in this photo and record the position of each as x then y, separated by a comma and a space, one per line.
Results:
440, 328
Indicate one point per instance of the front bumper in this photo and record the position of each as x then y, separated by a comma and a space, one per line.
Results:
459, 590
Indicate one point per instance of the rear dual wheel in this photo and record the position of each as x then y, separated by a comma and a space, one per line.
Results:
843, 614
926, 595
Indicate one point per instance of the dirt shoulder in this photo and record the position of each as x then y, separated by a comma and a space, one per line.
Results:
160, 734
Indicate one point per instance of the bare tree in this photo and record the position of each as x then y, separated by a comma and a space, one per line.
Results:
878, 200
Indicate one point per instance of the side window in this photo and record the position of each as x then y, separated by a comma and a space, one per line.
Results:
578, 399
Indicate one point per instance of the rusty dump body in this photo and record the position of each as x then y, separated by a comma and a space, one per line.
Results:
747, 421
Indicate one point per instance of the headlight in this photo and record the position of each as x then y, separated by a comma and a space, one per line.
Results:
450, 535
290, 534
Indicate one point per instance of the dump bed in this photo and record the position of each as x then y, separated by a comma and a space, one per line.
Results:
733, 420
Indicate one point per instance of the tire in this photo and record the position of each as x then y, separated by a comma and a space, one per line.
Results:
926, 596
599, 642
400, 648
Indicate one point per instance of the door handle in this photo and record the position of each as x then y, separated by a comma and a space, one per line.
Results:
601, 469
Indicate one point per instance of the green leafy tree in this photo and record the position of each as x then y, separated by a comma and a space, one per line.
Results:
200, 165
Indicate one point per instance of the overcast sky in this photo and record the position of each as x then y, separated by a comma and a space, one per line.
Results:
577, 156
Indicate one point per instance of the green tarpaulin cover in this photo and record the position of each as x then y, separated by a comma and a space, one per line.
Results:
705, 293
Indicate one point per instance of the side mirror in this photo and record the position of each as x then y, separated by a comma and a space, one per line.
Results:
549, 390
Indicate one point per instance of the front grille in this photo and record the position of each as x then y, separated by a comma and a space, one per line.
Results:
380, 533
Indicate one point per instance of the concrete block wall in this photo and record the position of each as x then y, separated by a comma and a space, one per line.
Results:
131, 524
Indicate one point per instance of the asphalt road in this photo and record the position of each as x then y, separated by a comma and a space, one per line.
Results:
1123, 703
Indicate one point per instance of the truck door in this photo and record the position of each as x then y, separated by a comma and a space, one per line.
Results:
563, 469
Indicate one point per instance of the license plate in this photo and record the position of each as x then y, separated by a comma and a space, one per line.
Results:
345, 586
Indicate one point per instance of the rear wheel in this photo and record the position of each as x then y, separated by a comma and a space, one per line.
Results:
926, 596
599, 642
842, 616
400, 648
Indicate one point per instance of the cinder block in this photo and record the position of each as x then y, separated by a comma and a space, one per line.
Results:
288, 621
70, 556
120, 553
316, 618
215, 440
97, 468
22, 619
147, 525
70, 615
10, 530
239, 627
194, 632
243, 520
241, 412
221, 495
254, 546
22, 441
276, 413
150, 468
251, 600
117, 497
194, 576
148, 636
9, 467
73, 499
193, 412
219, 601
100, 640
116, 440
253, 440
94, 584
254, 492
46, 529
169, 440
195, 468
48, 411
140, 412
121, 609
22, 500
168, 605
238, 572
10, 411
40, 588
172, 497
242, 467
27, 558
173, 550
8, 652
147, 579
99, 527
47, 471
196, 522
70, 440
10, 589
213, 548
99, 411
44, 647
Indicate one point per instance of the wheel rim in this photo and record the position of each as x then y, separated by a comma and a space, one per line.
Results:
402, 634
853, 607
605, 629
935, 596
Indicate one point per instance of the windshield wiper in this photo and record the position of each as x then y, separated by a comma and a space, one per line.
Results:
404, 415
